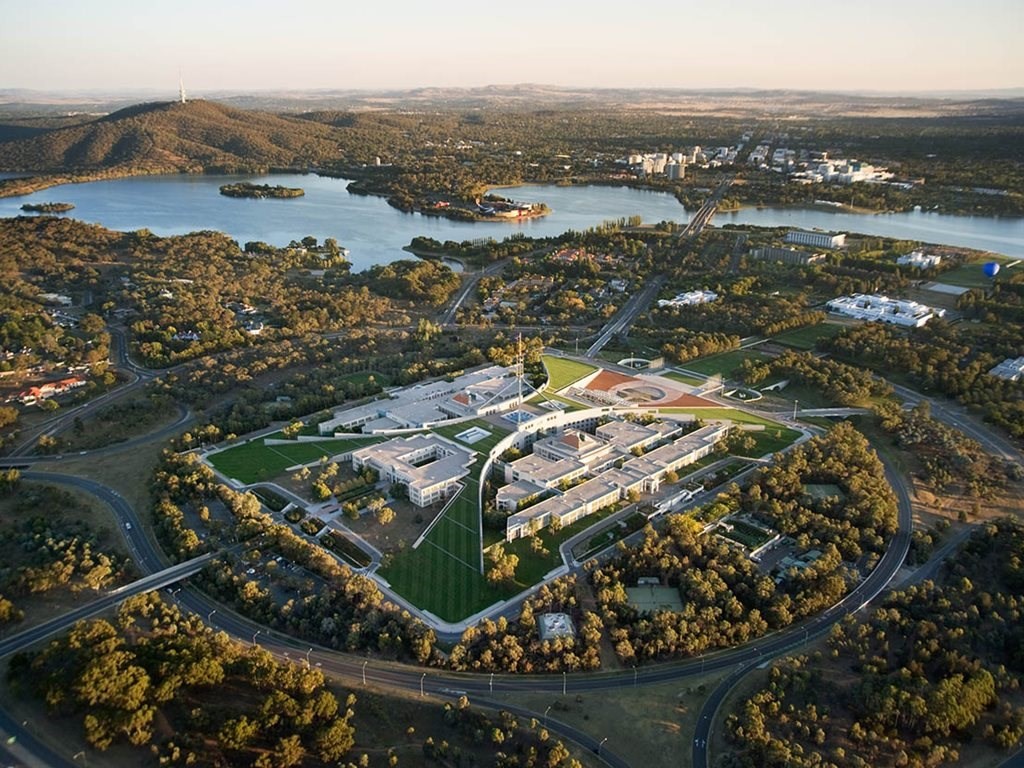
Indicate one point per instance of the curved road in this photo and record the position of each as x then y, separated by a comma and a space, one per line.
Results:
445, 684
868, 590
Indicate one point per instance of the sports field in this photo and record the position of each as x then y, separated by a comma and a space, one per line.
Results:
442, 575
562, 372
255, 461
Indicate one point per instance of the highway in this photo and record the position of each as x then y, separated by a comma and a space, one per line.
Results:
356, 671
148, 583
63, 420
639, 302
957, 416
624, 318
447, 317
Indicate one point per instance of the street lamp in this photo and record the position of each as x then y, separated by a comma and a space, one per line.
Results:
209, 616
634, 676
307, 656
82, 755
255, 635
364, 670
421, 684
563, 682
546, 715
491, 683
601, 744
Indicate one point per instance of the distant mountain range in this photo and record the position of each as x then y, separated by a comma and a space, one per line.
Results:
167, 137
21, 102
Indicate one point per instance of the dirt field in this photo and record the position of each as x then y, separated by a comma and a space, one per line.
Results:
650, 726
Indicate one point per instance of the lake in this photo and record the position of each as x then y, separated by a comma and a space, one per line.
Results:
375, 233
372, 230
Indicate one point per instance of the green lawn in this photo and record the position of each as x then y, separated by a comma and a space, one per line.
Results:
532, 565
725, 363
971, 275
570, 405
806, 338
740, 417
255, 461
772, 440
482, 446
682, 378
562, 372
442, 575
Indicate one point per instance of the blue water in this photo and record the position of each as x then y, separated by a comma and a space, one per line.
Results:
375, 233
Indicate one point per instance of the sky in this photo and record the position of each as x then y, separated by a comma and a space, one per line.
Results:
888, 45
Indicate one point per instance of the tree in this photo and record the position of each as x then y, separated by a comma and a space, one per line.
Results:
8, 416
503, 566
9, 481
385, 515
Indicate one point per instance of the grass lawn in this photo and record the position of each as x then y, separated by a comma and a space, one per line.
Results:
442, 575
740, 417
682, 378
772, 440
562, 372
971, 275
256, 461
533, 565
481, 446
806, 338
725, 363
570, 405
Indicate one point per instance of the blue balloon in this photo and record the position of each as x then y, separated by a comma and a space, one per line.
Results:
991, 269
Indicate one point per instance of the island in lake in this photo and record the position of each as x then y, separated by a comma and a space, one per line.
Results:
245, 189
47, 207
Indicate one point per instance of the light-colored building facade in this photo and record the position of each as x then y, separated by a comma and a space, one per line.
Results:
689, 298
1011, 368
919, 260
494, 389
609, 483
429, 466
786, 255
873, 307
816, 239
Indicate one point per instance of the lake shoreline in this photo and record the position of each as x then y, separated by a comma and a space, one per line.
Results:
27, 185
376, 232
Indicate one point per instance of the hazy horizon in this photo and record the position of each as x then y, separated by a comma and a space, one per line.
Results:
874, 46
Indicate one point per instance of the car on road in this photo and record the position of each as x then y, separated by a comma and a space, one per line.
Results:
127, 526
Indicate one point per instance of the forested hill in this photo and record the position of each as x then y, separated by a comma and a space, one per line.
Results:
173, 137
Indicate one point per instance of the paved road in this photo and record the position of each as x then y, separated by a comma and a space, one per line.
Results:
158, 580
447, 317
185, 417
624, 318
956, 415
876, 582
639, 302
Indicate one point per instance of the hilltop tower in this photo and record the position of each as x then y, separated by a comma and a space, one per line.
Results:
181, 89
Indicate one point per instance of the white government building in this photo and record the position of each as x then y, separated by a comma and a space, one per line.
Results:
574, 454
919, 260
428, 465
816, 239
1011, 368
873, 307
479, 393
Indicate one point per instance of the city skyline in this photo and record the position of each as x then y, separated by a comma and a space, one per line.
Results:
910, 47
